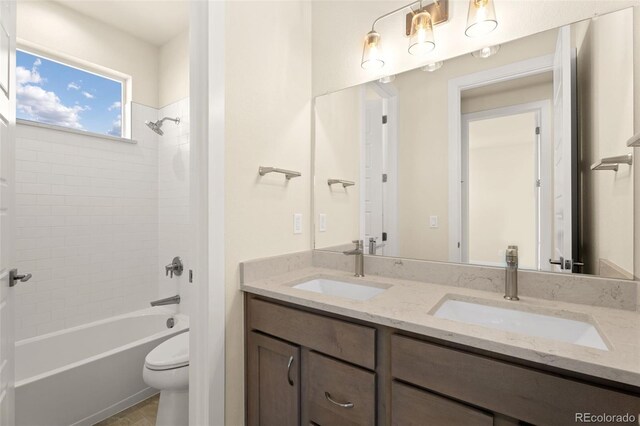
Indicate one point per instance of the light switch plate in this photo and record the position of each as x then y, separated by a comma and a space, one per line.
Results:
433, 221
297, 223
322, 222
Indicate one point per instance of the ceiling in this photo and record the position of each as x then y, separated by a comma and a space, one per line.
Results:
154, 21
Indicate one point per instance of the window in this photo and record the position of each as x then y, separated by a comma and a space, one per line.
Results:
51, 92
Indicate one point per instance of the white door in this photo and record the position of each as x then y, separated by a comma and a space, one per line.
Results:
7, 203
373, 203
564, 152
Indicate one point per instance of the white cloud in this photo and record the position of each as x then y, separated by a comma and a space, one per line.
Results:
116, 127
88, 95
115, 105
73, 85
40, 104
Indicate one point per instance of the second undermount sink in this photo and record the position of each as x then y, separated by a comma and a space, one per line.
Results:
533, 324
340, 289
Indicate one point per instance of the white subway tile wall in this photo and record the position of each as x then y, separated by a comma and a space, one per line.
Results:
173, 200
88, 221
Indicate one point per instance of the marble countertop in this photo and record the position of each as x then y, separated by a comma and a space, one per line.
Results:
406, 305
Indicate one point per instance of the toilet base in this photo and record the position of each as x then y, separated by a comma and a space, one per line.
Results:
173, 408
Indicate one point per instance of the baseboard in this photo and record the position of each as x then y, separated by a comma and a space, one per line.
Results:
117, 407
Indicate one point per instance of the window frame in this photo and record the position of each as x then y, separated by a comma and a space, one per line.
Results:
86, 66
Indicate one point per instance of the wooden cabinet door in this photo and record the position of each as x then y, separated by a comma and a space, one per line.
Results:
273, 384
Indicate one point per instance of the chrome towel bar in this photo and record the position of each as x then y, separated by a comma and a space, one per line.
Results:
343, 182
612, 163
287, 173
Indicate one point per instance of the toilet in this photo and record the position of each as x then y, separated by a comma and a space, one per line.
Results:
167, 368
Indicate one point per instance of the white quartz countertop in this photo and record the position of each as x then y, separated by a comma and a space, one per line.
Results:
407, 305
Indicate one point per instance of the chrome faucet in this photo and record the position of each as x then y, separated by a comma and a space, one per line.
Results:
175, 267
511, 274
173, 300
373, 246
358, 252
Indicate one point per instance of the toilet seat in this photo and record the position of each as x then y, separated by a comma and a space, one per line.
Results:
170, 354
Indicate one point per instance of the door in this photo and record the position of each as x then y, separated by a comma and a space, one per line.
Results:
273, 387
565, 155
373, 202
7, 203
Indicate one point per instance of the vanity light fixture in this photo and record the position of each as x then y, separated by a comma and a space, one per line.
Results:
481, 19
486, 52
387, 79
372, 53
434, 66
421, 39
419, 29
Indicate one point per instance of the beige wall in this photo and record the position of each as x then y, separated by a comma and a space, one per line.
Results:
54, 28
606, 107
268, 123
502, 161
173, 75
636, 151
339, 28
337, 156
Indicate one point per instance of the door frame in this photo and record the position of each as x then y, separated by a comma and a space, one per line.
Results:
512, 71
544, 172
389, 95
207, 191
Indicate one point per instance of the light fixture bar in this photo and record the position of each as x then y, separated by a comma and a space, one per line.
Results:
400, 9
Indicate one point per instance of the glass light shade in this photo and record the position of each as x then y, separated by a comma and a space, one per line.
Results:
434, 66
486, 52
481, 18
372, 52
421, 39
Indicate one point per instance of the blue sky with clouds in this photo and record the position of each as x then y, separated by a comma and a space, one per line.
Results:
52, 93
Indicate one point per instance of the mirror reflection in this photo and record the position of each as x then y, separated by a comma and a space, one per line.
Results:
520, 144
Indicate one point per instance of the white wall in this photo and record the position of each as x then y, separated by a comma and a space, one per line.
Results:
606, 107
267, 123
54, 28
337, 156
173, 77
87, 225
339, 28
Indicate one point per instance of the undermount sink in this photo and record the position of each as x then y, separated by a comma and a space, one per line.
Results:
340, 289
532, 324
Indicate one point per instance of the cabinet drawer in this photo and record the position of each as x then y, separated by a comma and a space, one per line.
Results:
415, 407
533, 396
330, 380
340, 339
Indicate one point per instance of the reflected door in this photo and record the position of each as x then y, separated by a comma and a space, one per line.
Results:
373, 198
565, 154
7, 213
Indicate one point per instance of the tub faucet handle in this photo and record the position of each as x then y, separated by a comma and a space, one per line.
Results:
174, 268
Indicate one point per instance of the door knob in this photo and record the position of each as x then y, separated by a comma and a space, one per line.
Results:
14, 277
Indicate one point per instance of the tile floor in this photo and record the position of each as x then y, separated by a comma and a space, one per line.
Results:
141, 414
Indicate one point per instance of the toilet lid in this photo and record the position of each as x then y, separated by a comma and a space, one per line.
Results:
172, 353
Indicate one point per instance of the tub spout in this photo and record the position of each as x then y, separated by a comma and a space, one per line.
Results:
173, 300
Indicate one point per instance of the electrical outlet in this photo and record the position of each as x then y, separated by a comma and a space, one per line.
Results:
433, 221
322, 222
297, 223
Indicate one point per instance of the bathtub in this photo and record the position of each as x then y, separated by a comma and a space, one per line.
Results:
82, 375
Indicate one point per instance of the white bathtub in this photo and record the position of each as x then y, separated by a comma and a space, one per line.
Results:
84, 374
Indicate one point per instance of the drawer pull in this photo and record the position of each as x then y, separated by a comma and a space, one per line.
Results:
289, 371
339, 404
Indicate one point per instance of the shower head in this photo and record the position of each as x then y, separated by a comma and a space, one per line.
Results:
157, 125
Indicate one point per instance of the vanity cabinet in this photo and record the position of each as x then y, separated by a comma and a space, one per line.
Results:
314, 368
